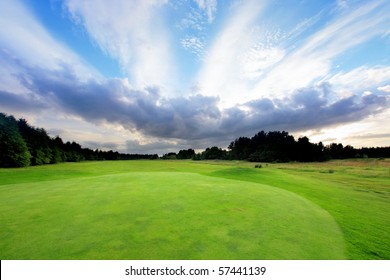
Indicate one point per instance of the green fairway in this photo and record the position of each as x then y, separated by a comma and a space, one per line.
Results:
195, 210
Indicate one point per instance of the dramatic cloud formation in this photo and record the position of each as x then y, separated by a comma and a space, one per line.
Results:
198, 73
192, 117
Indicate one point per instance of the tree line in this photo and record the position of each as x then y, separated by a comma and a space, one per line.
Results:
279, 146
22, 145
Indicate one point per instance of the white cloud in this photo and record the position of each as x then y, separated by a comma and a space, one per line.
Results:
194, 44
221, 73
304, 25
249, 60
369, 132
26, 44
313, 59
25, 39
258, 59
342, 4
362, 78
210, 6
385, 88
193, 20
134, 33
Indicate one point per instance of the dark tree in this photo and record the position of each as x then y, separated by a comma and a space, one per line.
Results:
13, 148
38, 143
186, 154
170, 155
268, 147
214, 153
241, 148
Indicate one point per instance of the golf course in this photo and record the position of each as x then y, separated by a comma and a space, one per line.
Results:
198, 210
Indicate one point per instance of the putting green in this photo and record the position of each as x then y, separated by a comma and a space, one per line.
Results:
162, 215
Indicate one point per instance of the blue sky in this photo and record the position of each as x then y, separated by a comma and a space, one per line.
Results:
158, 76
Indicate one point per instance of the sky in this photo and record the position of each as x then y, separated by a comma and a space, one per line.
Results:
158, 76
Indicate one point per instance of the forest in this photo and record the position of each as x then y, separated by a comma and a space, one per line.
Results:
276, 146
23, 145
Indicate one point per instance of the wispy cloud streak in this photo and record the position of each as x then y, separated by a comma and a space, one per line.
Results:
134, 33
313, 59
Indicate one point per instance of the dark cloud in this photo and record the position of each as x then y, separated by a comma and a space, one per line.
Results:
163, 146
28, 102
158, 147
263, 105
113, 101
194, 120
307, 108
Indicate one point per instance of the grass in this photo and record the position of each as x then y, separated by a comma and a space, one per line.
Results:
196, 210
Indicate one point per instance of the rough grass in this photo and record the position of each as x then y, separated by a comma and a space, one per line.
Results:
196, 210
356, 193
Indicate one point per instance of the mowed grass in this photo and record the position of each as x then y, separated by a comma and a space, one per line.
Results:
196, 210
